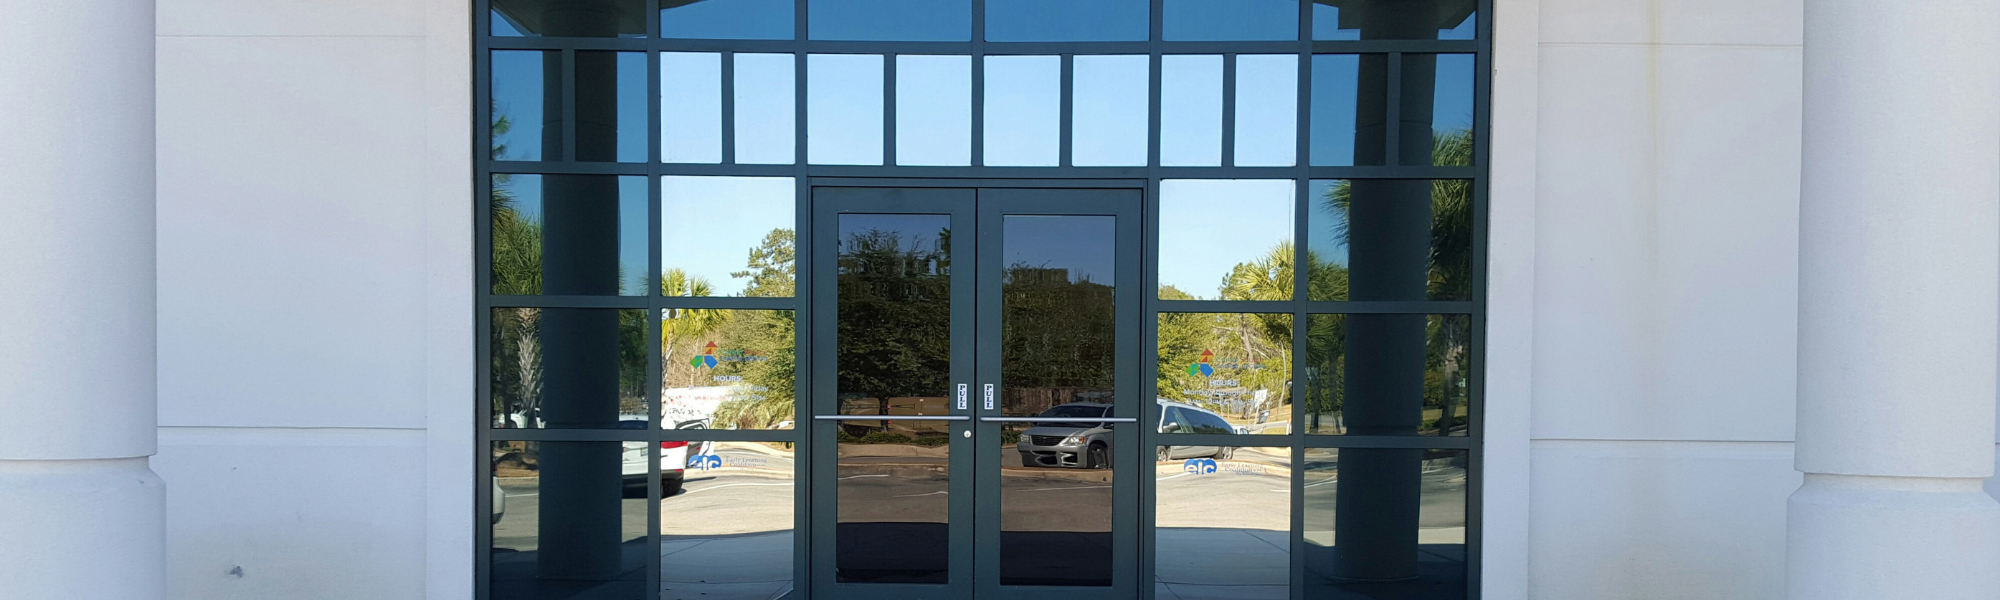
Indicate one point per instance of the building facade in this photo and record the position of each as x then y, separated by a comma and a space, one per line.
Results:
1164, 299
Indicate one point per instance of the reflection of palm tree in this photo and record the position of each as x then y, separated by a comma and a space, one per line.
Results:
685, 323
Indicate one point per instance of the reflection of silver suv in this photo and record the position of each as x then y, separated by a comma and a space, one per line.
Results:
1176, 417
1076, 445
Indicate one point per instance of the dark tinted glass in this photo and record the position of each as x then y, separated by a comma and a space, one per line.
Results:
1230, 20
1236, 367
893, 349
1223, 523
569, 235
890, 20
567, 368
727, 534
727, 369
527, 105
1393, 20
726, 19
1058, 338
569, 18
1437, 109
1390, 239
1405, 374
1067, 20
569, 521
611, 106
1385, 523
1350, 111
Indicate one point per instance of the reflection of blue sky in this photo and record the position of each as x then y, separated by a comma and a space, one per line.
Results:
844, 109
1229, 20
1267, 109
1452, 107
1207, 227
632, 209
632, 107
1335, 79
933, 110
728, 20
1191, 111
890, 20
1108, 127
1067, 20
691, 107
765, 108
1085, 245
1023, 110
709, 225
1324, 223
517, 95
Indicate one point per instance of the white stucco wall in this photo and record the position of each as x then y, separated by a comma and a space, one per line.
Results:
1666, 298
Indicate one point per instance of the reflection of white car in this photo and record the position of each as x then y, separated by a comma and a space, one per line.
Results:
1180, 417
499, 501
673, 457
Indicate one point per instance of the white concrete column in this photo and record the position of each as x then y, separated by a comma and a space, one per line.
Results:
81, 514
1899, 288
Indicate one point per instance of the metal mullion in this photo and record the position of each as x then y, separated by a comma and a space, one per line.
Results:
1226, 306
1078, 48
1207, 47
995, 173
1067, 85
482, 318
1395, 172
695, 45
726, 303
888, 109
726, 169
1482, 98
566, 167
1228, 109
563, 43
567, 435
568, 62
1127, 183
1149, 345
802, 322
1225, 172
728, 108
1427, 442
978, 90
629, 302
1392, 154
1387, 46
1392, 307
1301, 293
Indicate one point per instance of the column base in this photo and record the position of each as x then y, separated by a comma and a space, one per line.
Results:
82, 530
1880, 538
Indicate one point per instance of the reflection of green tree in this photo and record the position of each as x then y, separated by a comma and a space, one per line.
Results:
894, 317
771, 334
1057, 338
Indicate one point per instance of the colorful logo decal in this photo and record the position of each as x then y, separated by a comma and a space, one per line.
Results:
707, 358
712, 355
1199, 466
704, 462
1202, 369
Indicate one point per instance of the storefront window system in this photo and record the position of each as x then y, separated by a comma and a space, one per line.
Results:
1119, 299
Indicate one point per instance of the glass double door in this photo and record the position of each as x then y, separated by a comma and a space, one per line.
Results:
973, 391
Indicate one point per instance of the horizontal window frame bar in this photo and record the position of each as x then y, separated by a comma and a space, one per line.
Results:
991, 48
1394, 307
615, 302
637, 435
1424, 442
1115, 184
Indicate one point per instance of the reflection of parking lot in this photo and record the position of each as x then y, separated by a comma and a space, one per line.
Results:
728, 534
1223, 526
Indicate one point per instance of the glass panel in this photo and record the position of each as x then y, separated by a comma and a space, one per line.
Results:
527, 105
1267, 110
1349, 109
1191, 111
1405, 248
844, 109
1398, 517
569, 18
894, 358
1023, 111
1408, 374
728, 534
1225, 373
766, 109
1223, 530
691, 107
568, 368
934, 110
1108, 126
583, 534
611, 106
1226, 239
1230, 20
572, 235
1437, 109
727, 236
1400, 20
1067, 20
890, 20
727, 369
1058, 338
726, 19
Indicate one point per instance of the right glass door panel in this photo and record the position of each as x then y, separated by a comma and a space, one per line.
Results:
1057, 361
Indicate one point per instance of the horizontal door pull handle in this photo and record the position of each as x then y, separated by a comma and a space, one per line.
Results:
892, 417
1058, 419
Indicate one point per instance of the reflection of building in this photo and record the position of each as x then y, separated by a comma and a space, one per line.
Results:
1611, 297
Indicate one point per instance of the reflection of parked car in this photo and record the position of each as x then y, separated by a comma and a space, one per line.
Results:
499, 502
673, 457
1079, 445
1176, 417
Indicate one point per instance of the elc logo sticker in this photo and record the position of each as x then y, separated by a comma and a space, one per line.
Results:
712, 355
704, 462
1199, 466
1202, 369
706, 359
